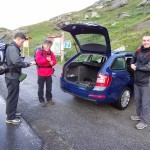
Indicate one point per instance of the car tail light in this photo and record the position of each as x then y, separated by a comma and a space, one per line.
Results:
103, 80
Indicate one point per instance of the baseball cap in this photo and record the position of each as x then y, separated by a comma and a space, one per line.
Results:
47, 41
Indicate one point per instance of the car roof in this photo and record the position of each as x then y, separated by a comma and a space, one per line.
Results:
123, 53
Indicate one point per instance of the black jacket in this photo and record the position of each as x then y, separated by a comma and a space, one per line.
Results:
14, 60
142, 61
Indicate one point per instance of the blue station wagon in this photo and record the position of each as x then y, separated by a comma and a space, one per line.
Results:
96, 73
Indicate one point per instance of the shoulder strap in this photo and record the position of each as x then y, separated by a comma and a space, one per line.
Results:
42, 52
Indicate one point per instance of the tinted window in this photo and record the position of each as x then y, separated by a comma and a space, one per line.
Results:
91, 38
81, 58
119, 64
90, 58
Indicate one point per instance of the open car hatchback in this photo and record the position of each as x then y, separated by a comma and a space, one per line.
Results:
96, 73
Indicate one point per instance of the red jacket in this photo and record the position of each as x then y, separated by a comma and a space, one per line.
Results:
44, 67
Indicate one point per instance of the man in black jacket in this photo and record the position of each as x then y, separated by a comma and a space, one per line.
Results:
141, 65
14, 63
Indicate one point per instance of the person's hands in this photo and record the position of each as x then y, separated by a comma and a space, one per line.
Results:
48, 58
32, 63
51, 63
27, 64
133, 66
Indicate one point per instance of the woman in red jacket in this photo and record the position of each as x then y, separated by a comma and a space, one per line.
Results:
45, 60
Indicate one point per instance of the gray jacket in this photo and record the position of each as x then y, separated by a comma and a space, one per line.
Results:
14, 61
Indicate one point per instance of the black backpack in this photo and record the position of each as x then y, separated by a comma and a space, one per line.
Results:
3, 65
36, 49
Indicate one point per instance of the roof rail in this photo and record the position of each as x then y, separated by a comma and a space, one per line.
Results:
119, 52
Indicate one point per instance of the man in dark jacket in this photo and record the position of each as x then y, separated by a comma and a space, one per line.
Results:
14, 63
141, 65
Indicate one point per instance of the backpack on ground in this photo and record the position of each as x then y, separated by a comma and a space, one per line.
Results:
3, 65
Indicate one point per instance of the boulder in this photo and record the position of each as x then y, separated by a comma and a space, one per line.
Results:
118, 3
113, 24
99, 7
121, 48
56, 29
145, 24
101, 2
86, 17
90, 9
60, 20
123, 15
95, 14
144, 2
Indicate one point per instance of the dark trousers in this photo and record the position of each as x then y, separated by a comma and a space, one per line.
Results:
142, 99
12, 98
41, 81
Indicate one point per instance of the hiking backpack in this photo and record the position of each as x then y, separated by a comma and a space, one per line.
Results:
3, 65
36, 49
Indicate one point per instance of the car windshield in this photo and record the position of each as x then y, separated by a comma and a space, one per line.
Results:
91, 39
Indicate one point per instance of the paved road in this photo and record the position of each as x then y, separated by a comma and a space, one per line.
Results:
17, 137
75, 124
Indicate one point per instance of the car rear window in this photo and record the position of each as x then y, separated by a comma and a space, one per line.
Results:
91, 38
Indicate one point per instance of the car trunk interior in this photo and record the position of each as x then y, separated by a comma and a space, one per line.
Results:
83, 73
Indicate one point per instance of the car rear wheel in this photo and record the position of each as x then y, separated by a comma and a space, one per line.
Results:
124, 99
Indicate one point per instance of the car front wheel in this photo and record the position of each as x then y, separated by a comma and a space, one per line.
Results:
124, 99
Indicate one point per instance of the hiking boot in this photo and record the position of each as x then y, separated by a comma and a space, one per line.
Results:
42, 104
135, 118
141, 125
17, 114
14, 121
50, 102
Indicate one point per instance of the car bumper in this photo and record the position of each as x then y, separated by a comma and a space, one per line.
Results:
83, 92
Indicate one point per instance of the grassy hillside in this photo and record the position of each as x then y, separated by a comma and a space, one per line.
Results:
122, 30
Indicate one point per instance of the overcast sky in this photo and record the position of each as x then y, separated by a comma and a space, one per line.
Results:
17, 13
